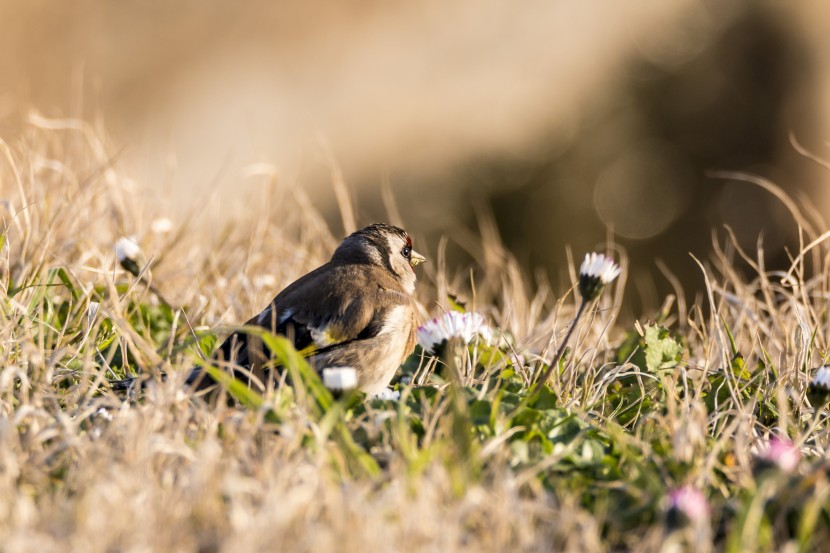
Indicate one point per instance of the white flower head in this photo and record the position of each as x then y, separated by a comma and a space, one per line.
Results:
127, 248
128, 252
104, 414
820, 385
162, 225
596, 271
340, 378
452, 325
388, 394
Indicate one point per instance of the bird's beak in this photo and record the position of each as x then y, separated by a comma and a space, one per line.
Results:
416, 258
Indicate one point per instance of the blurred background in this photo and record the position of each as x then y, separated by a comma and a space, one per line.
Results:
571, 123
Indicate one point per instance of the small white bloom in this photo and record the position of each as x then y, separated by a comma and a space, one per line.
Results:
388, 394
599, 266
595, 272
104, 414
340, 378
162, 225
517, 359
127, 248
821, 381
452, 325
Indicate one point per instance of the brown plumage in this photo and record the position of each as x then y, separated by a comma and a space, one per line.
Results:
356, 311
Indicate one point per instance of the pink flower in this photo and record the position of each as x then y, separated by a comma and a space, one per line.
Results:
689, 501
782, 453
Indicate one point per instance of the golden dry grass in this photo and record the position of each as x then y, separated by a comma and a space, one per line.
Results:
165, 472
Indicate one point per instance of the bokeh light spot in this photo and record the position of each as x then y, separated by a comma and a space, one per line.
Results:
643, 191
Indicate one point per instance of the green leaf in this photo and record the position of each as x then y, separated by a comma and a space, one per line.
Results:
481, 412
662, 350
631, 350
303, 375
546, 399
731, 337
738, 366
301, 372
241, 392
41, 289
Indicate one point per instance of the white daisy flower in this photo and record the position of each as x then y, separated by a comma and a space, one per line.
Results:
104, 414
340, 378
821, 381
162, 225
388, 394
127, 248
596, 271
127, 251
452, 325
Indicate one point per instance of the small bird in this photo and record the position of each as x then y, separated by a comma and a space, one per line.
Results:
357, 310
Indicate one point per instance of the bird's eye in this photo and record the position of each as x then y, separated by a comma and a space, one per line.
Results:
407, 251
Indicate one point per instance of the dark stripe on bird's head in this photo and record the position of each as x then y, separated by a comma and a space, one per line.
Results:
378, 232
358, 246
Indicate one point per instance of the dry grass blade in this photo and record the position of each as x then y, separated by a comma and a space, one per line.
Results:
693, 400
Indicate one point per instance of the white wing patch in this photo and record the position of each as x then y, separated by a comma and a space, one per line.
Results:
264, 316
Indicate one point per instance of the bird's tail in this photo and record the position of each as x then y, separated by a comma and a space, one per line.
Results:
198, 380
125, 385
132, 383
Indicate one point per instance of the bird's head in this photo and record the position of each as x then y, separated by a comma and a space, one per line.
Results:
385, 245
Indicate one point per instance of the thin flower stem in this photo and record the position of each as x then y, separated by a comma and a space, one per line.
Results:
560, 352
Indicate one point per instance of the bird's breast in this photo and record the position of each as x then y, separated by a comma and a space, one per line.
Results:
397, 327
391, 347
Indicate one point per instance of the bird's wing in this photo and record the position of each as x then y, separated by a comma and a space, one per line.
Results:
327, 307
335, 304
